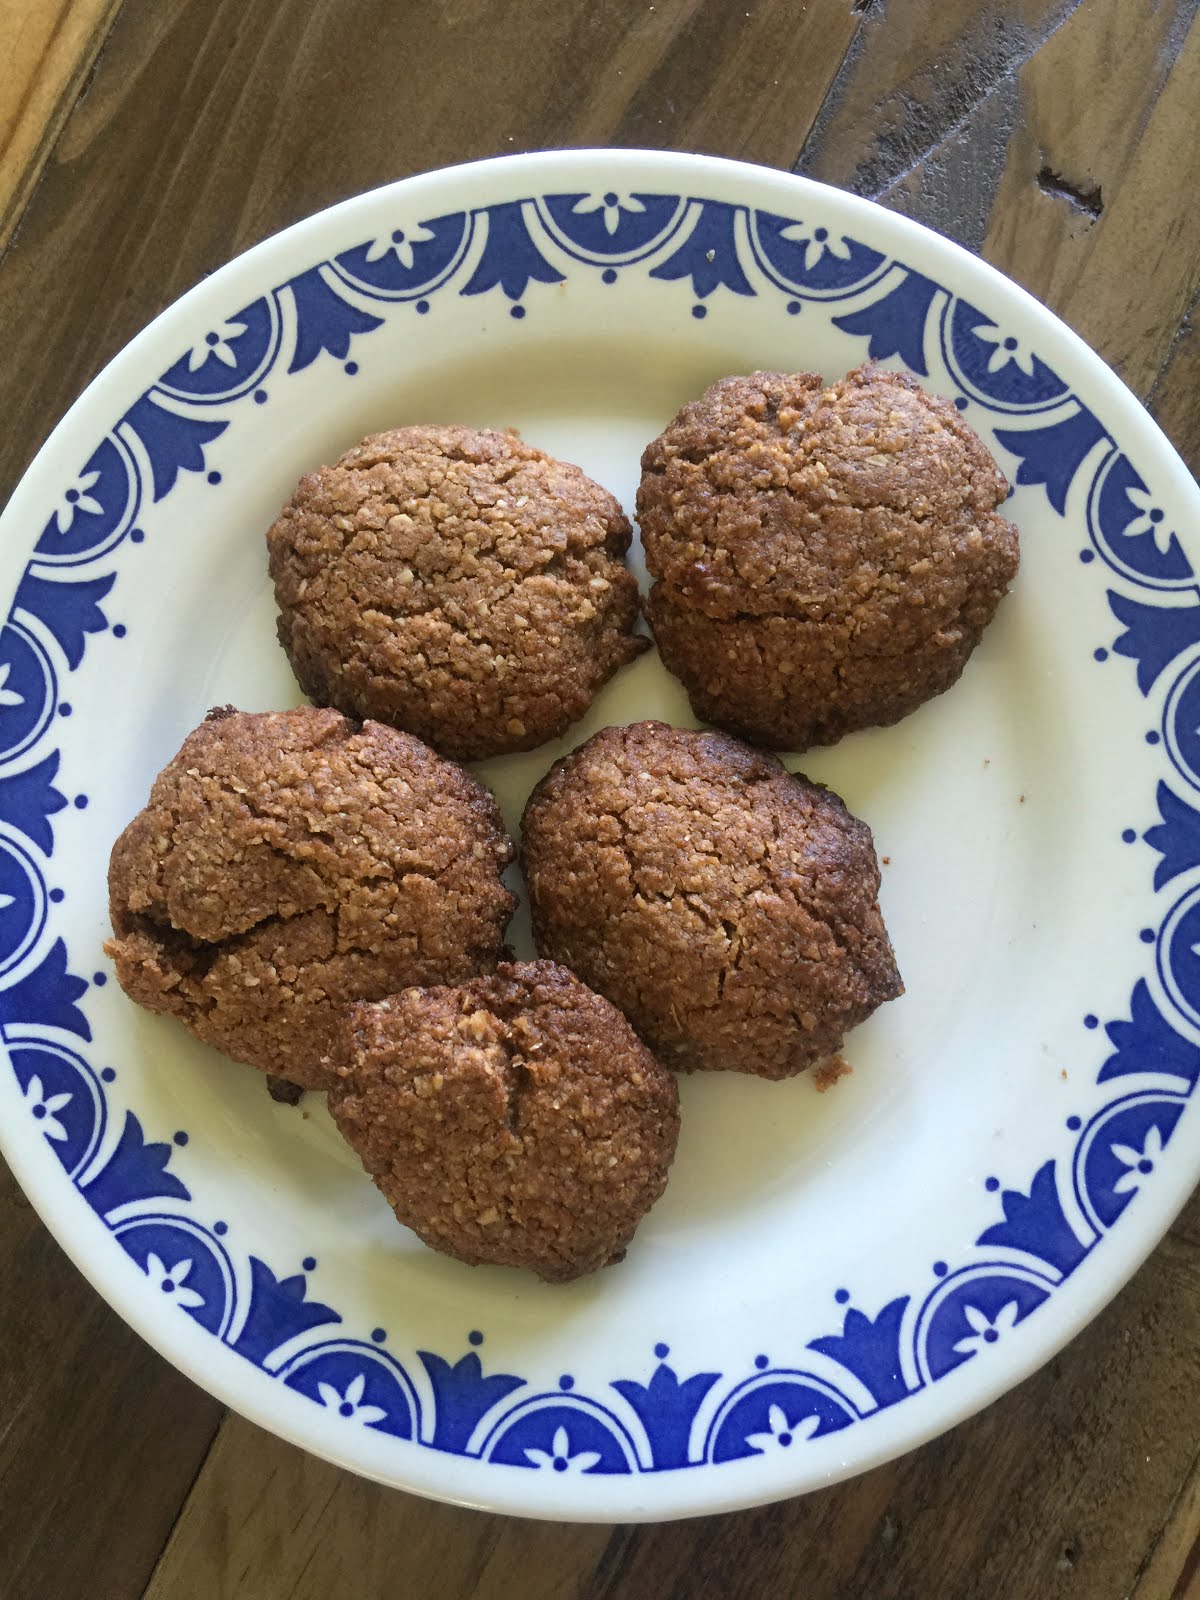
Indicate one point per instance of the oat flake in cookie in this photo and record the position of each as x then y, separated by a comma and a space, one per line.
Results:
826, 558
516, 1120
290, 862
728, 907
456, 583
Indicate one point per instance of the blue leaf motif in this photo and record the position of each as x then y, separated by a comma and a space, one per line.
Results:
47, 995
805, 1410
895, 324
65, 1079
1176, 838
228, 359
606, 225
789, 251
324, 321
1154, 635
136, 1170
996, 364
1180, 953
29, 799
201, 1284
1184, 724
871, 1350
510, 259
173, 443
709, 254
28, 688
462, 1396
358, 1384
1125, 1151
1147, 1043
560, 1437
1053, 455
69, 610
976, 1312
1036, 1223
667, 1409
278, 1311
428, 251
1183, 720
87, 521
1128, 524
22, 904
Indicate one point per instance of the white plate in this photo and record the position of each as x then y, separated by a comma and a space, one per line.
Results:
830, 1278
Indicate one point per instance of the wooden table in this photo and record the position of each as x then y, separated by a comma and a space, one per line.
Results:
144, 143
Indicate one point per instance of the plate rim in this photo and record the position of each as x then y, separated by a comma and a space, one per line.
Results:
660, 1496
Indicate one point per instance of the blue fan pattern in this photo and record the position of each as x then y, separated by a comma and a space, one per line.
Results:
657, 1418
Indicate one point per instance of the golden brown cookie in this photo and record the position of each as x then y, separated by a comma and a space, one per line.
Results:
289, 862
826, 558
455, 583
728, 907
515, 1120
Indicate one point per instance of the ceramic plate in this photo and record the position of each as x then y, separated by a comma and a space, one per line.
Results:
830, 1278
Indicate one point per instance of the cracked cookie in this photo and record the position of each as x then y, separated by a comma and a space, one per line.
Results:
456, 583
727, 906
289, 862
825, 558
515, 1120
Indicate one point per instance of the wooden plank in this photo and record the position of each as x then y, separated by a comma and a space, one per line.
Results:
1172, 1566
1072, 154
49, 50
916, 76
1126, 279
1174, 398
99, 1438
268, 1520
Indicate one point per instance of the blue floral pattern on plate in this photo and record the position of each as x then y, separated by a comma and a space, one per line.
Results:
658, 1418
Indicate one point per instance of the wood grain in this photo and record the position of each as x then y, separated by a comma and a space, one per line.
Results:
1126, 281
924, 104
1174, 396
268, 1520
49, 49
1172, 1566
1057, 136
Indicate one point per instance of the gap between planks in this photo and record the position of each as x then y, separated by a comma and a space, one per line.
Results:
52, 49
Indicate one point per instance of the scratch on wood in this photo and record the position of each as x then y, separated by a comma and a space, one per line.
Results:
607, 1577
68, 54
1081, 196
1191, 1562
14, 1416
921, 117
1191, 1567
1067, 1556
955, 187
201, 1463
1184, 332
1177, 31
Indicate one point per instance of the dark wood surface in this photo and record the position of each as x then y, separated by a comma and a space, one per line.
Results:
143, 143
